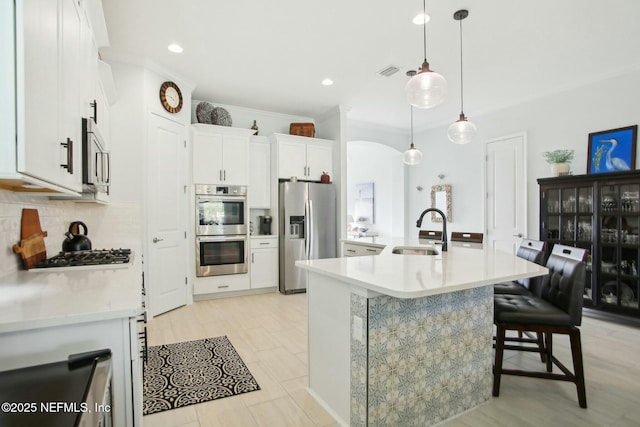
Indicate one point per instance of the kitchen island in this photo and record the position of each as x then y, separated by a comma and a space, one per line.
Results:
405, 339
47, 315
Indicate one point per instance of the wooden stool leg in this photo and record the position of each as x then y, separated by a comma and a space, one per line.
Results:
497, 367
578, 369
549, 350
543, 355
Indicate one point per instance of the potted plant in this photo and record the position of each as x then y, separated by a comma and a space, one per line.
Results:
559, 161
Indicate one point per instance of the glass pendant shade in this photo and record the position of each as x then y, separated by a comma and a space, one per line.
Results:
426, 89
462, 131
412, 156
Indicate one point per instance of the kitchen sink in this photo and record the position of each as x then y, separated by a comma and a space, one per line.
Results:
414, 250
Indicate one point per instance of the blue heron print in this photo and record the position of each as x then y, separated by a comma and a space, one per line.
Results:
614, 163
612, 151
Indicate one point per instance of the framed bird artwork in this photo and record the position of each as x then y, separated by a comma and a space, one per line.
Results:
612, 150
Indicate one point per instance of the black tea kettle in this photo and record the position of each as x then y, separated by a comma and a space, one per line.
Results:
76, 242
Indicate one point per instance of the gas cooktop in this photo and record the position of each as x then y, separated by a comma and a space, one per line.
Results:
102, 257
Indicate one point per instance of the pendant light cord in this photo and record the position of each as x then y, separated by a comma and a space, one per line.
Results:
411, 107
424, 27
461, 80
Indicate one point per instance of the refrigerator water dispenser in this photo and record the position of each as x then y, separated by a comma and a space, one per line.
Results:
296, 227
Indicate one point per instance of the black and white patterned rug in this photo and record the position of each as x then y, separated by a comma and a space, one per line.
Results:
190, 372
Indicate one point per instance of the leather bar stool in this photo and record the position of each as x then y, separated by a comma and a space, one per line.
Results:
531, 250
558, 310
430, 235
463, 236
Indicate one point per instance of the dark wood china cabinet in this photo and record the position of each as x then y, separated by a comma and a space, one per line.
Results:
601, 213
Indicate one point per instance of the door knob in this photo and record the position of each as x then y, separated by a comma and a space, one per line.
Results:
156, 240
517, 235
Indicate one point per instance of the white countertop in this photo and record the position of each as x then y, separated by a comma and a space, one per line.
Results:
31, 300
463, 266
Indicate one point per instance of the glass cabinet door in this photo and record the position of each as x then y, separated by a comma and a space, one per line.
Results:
619, 255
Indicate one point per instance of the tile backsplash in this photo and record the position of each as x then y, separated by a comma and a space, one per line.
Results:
116, 225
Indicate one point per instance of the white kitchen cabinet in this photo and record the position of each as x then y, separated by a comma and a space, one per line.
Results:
260, 175
52, 58
302, 157
49, 102
220, 154
264, 262
359, 249
208, 287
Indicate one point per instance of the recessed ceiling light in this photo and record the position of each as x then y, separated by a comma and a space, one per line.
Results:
175, 48
421, 18
327, 82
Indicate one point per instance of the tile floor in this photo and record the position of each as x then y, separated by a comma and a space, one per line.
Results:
269, 333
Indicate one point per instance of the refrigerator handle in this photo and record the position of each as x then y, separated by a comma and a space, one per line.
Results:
310, 237
307, 237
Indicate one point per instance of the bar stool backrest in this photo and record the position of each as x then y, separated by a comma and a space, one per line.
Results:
564, 285
430, 234
531, 250
463, 236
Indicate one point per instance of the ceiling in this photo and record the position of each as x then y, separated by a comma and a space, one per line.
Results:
272, 55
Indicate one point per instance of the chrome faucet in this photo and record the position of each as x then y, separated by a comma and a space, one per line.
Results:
444, 224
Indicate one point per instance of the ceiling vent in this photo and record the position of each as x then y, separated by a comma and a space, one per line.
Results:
388, 71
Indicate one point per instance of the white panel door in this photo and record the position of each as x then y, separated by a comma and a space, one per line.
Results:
166, 215
506, 186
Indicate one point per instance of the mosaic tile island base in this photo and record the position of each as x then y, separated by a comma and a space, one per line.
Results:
413, 355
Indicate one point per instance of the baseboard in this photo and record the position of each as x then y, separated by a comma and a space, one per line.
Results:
611, 317
218, 295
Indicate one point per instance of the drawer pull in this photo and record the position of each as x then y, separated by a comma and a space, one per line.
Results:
223, 286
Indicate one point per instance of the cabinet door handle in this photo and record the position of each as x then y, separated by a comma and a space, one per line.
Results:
252, 258
220, 175
94, 105
69, 146
224, 175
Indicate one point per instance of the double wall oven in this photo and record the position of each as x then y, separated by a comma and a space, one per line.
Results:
222, 244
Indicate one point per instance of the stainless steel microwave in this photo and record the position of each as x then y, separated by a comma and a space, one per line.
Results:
96, 162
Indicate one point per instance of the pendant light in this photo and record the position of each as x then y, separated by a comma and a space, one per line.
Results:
461, 131
426, 89
412, 156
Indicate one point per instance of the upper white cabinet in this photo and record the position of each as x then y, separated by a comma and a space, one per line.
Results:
49, 110
220, 154
54, 59
302, 157
260, 174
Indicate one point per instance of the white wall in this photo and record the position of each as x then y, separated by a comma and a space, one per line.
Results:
381, 165
562, 120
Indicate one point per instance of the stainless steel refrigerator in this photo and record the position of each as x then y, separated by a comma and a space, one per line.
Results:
307, 229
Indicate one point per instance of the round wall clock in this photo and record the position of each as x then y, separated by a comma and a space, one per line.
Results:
171, 97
